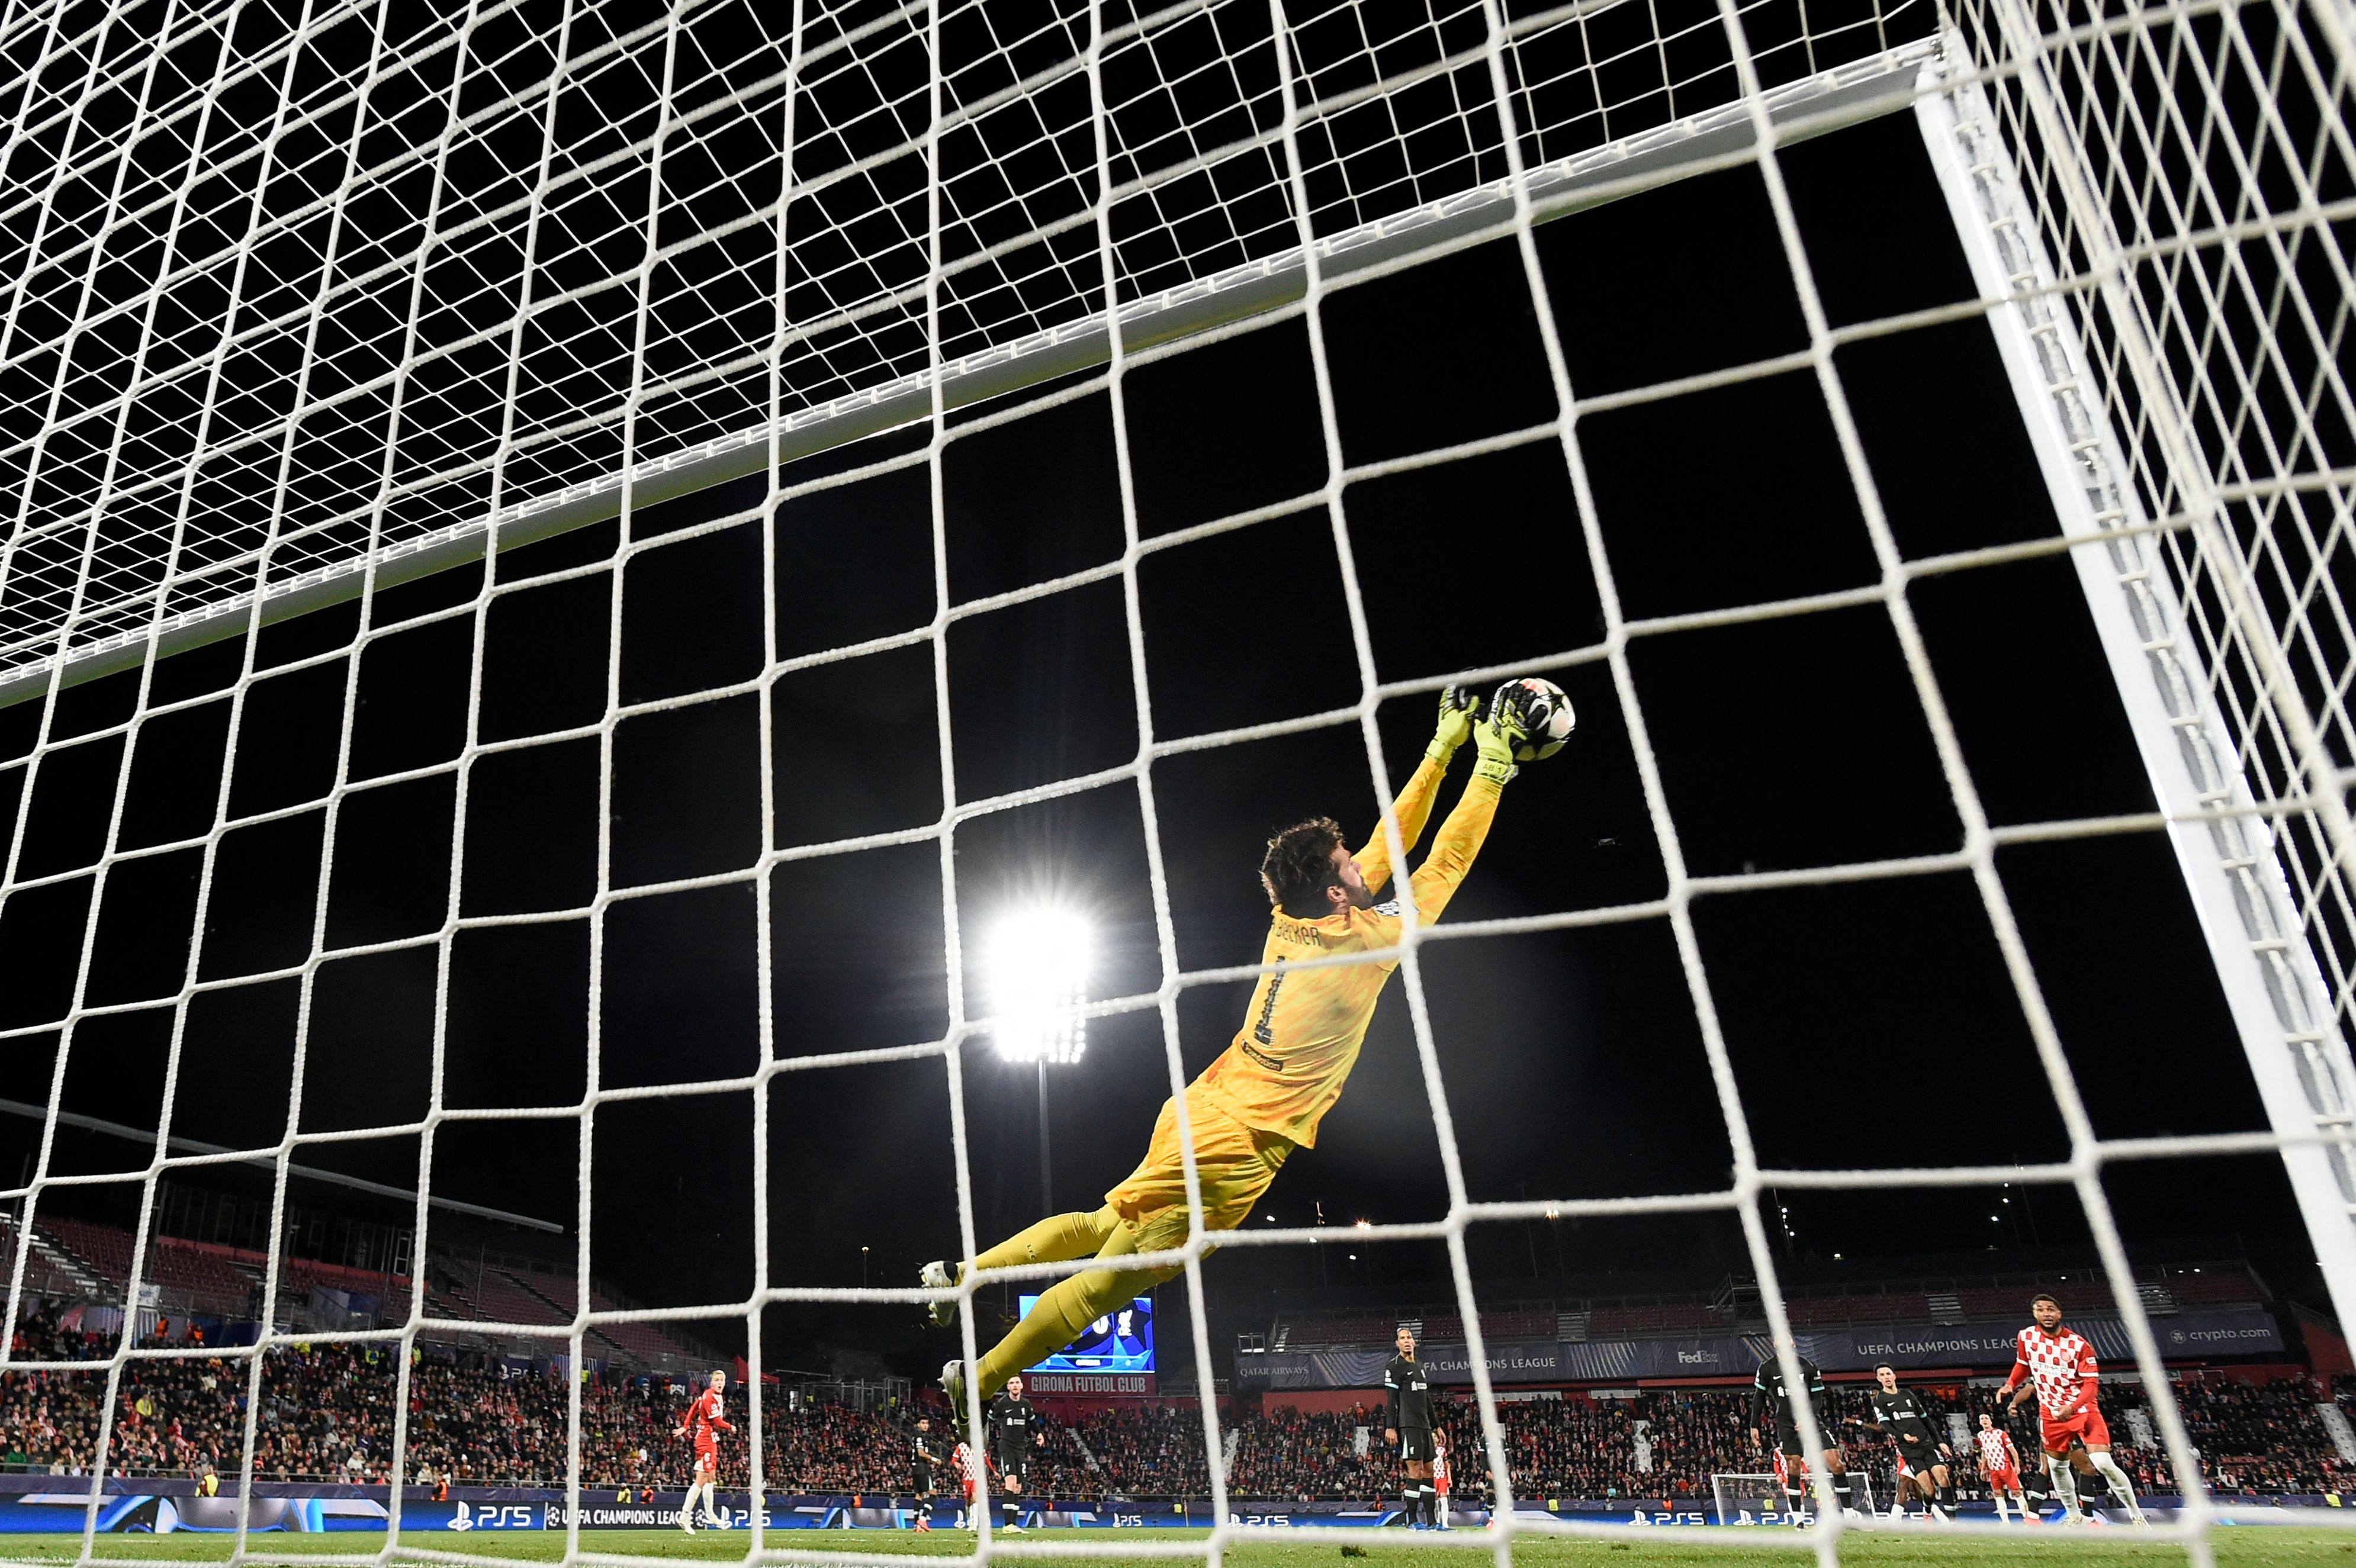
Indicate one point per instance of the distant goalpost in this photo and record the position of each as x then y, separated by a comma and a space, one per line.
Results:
1739, 1497
299, 309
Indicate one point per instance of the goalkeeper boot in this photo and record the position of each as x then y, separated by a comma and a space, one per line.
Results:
953, 1385
935, 1275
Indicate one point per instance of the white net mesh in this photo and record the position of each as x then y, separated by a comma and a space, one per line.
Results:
304, 303
583, 227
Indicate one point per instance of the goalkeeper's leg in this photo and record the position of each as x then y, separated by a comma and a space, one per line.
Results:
1056, 1238
1065, 1312
1146, 1213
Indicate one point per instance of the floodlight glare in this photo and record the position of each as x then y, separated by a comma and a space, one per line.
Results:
1036, 976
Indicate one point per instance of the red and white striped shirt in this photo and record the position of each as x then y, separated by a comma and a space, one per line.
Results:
1997, 1451
2060, 1363
1439, 1471
969, 1463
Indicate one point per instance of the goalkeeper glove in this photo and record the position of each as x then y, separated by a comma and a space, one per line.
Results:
1505, 727
1459, 707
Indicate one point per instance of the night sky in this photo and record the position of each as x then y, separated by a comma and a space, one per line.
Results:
1869, 1024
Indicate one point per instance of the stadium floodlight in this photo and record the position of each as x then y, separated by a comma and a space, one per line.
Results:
1037, 977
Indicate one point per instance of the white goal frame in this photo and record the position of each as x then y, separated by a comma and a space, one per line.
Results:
2228, 841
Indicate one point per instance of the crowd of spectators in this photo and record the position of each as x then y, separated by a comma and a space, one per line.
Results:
327, 1412
1145, 1451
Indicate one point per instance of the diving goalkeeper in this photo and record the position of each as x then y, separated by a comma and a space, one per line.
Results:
1301, 1034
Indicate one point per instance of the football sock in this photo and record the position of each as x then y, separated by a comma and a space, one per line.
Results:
1409, 1499
2065, 1485
2003, 1514
2122, 1487
1430, 1504
1058, 1239
1844, 1490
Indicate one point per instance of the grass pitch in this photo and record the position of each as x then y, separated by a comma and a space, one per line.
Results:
2252, 1546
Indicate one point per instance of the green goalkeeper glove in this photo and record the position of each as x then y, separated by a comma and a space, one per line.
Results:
1505, 727
1459, 707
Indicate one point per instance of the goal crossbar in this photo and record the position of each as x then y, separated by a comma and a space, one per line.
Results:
1697, 144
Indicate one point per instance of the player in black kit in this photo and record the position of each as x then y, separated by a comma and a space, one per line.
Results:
1407, 1392
1899, 1415
923, 1459
1771, 1404
1014, 1429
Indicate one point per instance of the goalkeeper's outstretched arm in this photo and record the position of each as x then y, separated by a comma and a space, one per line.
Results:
1435, 881
1459, 707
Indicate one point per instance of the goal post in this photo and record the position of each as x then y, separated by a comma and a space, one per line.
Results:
2253, 800
1747, 1497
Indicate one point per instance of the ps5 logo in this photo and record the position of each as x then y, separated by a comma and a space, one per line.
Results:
492, 1516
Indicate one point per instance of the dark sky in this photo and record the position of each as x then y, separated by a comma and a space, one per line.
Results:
1868, 1024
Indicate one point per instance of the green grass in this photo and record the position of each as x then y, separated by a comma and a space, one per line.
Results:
2236, 1547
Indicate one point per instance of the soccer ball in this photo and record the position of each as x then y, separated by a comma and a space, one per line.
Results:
1551, 718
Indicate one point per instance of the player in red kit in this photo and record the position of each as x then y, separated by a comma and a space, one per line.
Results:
967, 1462
704, 1420
2059, 1362
2000, 1467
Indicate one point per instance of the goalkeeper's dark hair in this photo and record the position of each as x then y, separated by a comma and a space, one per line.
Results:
1298, 867
2042, 1297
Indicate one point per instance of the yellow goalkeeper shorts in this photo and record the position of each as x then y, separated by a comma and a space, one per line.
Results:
1234, 1162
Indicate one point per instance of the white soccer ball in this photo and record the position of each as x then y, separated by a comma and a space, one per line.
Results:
1551, 718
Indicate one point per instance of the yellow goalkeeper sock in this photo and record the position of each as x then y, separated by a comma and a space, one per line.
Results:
1058, 1239
1065, 1311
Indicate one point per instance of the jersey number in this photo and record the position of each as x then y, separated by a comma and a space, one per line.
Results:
1262, 1031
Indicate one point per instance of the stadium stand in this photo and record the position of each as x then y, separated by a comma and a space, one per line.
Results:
105, 1251
1656, 1318
1731, 1307
45, 1271
326, 1413
79, 1261
502, 1300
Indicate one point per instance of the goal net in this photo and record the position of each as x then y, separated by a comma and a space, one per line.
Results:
560, 560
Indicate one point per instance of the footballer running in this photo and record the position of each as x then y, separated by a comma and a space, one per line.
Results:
1898, 1414
2058, 1363
1300, 1036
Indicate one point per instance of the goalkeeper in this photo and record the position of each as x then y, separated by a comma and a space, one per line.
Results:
1301, 1034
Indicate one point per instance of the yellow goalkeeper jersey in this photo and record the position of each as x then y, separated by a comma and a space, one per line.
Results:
1304, 1028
